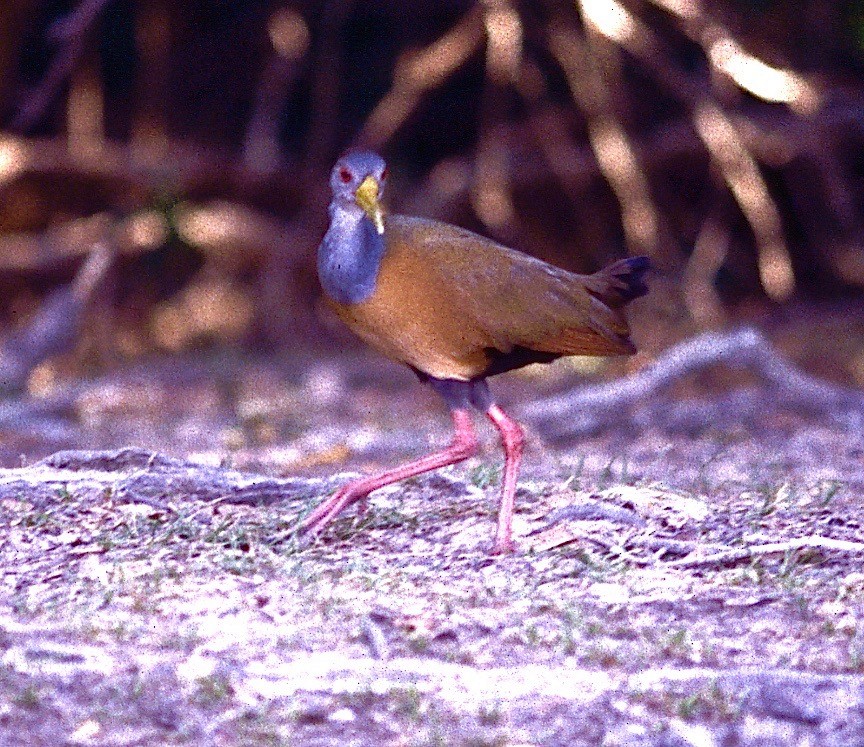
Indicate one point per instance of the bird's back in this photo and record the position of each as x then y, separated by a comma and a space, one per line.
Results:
455, 305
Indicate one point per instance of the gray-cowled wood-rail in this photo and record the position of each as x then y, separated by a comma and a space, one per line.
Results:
457, 308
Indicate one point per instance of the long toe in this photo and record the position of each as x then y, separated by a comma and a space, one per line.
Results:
325, 511
315, 522
309, 524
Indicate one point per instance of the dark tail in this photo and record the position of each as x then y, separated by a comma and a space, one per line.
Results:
620, 282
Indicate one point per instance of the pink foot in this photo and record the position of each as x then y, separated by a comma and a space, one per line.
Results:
503, 548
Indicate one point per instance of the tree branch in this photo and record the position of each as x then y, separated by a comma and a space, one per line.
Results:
71, 31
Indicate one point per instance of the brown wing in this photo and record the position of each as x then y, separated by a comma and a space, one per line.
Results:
454, 304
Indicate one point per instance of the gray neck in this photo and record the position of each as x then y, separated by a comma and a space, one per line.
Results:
349, 255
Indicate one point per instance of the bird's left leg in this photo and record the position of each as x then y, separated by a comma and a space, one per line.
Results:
513, 439
463, 446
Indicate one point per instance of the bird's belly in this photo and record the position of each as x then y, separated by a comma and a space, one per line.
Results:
419, 335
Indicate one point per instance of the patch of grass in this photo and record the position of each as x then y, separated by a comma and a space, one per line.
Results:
764, 498
408, 702
568, 637
825, 491
603, 656
183, 640
595, 566
307, 574
677, 644
709, 703
230, 534
489, 714
484, 740
21, 605
607, 477
388, 518
855, 655
789, 574
802, 605
419, 644
39, 519
702, 481
752, 574
138, 688
485, 475
238, 562
213, 689
531, 635
254, 727
574, 480
29, 698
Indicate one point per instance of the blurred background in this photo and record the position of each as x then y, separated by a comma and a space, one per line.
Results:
164, 165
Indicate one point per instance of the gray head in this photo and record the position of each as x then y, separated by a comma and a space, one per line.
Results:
358, 178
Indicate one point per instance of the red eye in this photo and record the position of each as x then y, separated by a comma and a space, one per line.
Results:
345, 175
385, 174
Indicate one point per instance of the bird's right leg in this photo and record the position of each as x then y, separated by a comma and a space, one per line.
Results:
463, 446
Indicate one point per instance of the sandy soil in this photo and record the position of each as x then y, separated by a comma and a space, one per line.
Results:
671, 588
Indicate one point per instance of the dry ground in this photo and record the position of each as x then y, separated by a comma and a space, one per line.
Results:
646, 604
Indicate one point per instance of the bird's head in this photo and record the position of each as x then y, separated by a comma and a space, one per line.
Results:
358, 178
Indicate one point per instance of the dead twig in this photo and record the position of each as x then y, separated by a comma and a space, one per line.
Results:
741, 173
663, 545
559, 535
595, 511
735, 555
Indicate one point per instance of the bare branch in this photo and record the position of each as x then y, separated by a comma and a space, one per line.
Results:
290, 38
611, 145
709, 253
418, 72
71, 31
54, 327
738, 554
745, 181
139, 476
727, 148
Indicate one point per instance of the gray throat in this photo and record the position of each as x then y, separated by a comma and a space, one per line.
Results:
349, 256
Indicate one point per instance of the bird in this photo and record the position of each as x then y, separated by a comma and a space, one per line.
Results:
457, 308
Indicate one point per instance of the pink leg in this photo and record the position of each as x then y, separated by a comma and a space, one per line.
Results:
513, 439
463, 446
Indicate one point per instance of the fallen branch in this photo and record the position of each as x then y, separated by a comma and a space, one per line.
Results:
556, 535
138, 476
660, 546
735, 555
591, 408
595, 511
